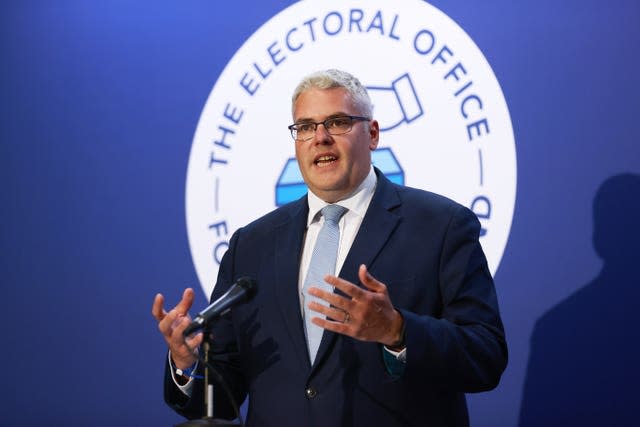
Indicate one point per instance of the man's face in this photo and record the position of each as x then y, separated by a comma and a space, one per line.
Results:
333, 165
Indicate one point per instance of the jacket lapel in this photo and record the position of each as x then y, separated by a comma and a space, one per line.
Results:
288, 248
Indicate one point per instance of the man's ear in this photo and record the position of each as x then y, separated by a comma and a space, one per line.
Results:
374, 134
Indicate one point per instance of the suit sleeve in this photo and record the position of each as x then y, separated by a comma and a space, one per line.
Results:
223, 354
464, 349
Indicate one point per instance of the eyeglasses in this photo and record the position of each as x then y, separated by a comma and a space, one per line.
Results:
334, 125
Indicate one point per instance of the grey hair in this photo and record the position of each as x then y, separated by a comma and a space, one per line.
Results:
328, 79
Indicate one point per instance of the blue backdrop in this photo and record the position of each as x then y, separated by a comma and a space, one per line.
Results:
98, 108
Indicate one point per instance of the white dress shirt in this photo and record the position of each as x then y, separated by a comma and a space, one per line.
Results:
357, 204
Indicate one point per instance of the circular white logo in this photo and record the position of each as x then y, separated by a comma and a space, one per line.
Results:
445, 124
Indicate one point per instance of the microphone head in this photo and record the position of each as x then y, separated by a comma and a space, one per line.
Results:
249, 285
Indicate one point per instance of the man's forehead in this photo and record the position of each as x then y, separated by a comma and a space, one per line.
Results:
323, 102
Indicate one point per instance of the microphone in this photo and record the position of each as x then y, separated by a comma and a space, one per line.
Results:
241, 291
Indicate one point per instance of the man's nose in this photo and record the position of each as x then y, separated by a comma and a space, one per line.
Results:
321, 135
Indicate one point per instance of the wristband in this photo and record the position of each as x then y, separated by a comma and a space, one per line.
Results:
188, 372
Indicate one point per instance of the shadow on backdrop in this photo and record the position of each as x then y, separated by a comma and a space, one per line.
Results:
584, 365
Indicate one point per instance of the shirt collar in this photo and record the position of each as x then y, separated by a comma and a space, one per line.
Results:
357, 202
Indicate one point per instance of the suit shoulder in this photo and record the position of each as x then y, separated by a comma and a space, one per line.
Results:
277, 216
418, 206
422, 199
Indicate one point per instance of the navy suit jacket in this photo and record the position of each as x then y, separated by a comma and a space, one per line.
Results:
425, 248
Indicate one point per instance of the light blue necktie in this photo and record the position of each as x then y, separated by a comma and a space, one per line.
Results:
323, 262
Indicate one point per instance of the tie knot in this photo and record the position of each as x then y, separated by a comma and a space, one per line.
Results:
333, 213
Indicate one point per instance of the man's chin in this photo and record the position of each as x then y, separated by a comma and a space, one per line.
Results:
329, 193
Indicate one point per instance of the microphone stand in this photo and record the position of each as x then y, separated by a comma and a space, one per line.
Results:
208, 420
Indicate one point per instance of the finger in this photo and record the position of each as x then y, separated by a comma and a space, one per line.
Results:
345, 286
157, 309
181, 324
369, 281
177, 338
194, 341
167, 323
183, 349
331, 297
336, 314
333, 326
186, 302
177, 321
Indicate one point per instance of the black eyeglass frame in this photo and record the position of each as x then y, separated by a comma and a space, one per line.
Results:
294, 131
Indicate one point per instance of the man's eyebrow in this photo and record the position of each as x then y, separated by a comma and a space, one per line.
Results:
330, 116
338, 114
